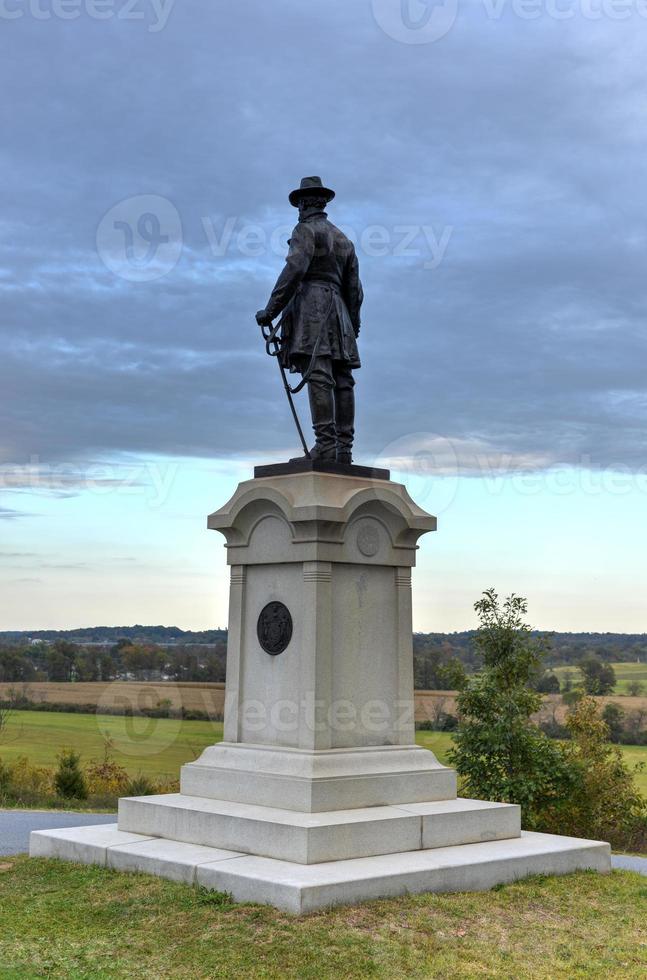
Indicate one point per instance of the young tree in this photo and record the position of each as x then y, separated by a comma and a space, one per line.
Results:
144, 661
547, 684
69, 779
635, 726
604, 802
6, 712
15, 665
7, 708
61, 661
598, 678
452, 675
613, 717
499, 752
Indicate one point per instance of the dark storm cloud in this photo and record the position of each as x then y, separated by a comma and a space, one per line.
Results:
506, 286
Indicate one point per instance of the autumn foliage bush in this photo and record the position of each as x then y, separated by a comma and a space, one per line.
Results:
97, 785
580, 787
603, 801
23, 783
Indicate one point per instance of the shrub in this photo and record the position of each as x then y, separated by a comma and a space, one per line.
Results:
451, 676
195, 714
444, 721
553, 729
106, 778
613, 717
140, 786
69, 779
635, 688
449, 722
547, 684
499, 752
572, 696
23, 783
598, 678
635, 727
5, 778
567, 684
603, 802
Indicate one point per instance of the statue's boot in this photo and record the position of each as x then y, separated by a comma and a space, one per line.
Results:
322, 410
344, 414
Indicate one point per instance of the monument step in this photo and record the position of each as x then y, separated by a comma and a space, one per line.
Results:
314, 781
312, 838
299, 888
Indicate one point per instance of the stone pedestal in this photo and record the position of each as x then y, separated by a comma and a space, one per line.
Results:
327, 723
318, 794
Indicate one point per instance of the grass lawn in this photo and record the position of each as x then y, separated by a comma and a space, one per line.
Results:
63, 920
625, 673
152, 746
159, 746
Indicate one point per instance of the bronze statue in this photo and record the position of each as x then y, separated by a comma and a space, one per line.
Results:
319, 295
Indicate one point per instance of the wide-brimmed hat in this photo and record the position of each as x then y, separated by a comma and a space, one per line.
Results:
310, 186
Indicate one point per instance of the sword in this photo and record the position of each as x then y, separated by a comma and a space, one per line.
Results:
273, 348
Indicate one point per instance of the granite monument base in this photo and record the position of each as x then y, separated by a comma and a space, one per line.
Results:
319, 795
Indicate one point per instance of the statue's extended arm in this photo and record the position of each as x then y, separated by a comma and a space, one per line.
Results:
302, 247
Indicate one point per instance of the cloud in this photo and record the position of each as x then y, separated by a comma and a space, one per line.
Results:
8, 514
55, 477
19, 554
521, 142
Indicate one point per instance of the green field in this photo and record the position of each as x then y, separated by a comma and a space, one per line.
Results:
157, 747
625, 673
152, 746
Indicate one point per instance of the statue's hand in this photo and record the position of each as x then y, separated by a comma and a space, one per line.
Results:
263, 318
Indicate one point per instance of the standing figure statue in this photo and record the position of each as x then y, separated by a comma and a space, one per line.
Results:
320, 294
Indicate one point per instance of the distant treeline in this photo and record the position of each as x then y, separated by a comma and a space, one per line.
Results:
562, 649
112, 634
106, 653
64, 660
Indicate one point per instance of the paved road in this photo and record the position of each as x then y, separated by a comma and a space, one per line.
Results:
16, 825
628, 863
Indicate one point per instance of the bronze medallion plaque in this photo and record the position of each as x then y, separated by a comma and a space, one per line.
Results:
368, 539
274, 628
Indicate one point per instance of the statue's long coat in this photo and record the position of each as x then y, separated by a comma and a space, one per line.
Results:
319, 293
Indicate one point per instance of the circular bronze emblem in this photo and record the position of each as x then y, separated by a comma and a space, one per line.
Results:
274, 628
368, 539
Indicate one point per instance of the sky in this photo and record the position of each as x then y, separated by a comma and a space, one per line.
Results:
488, 158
